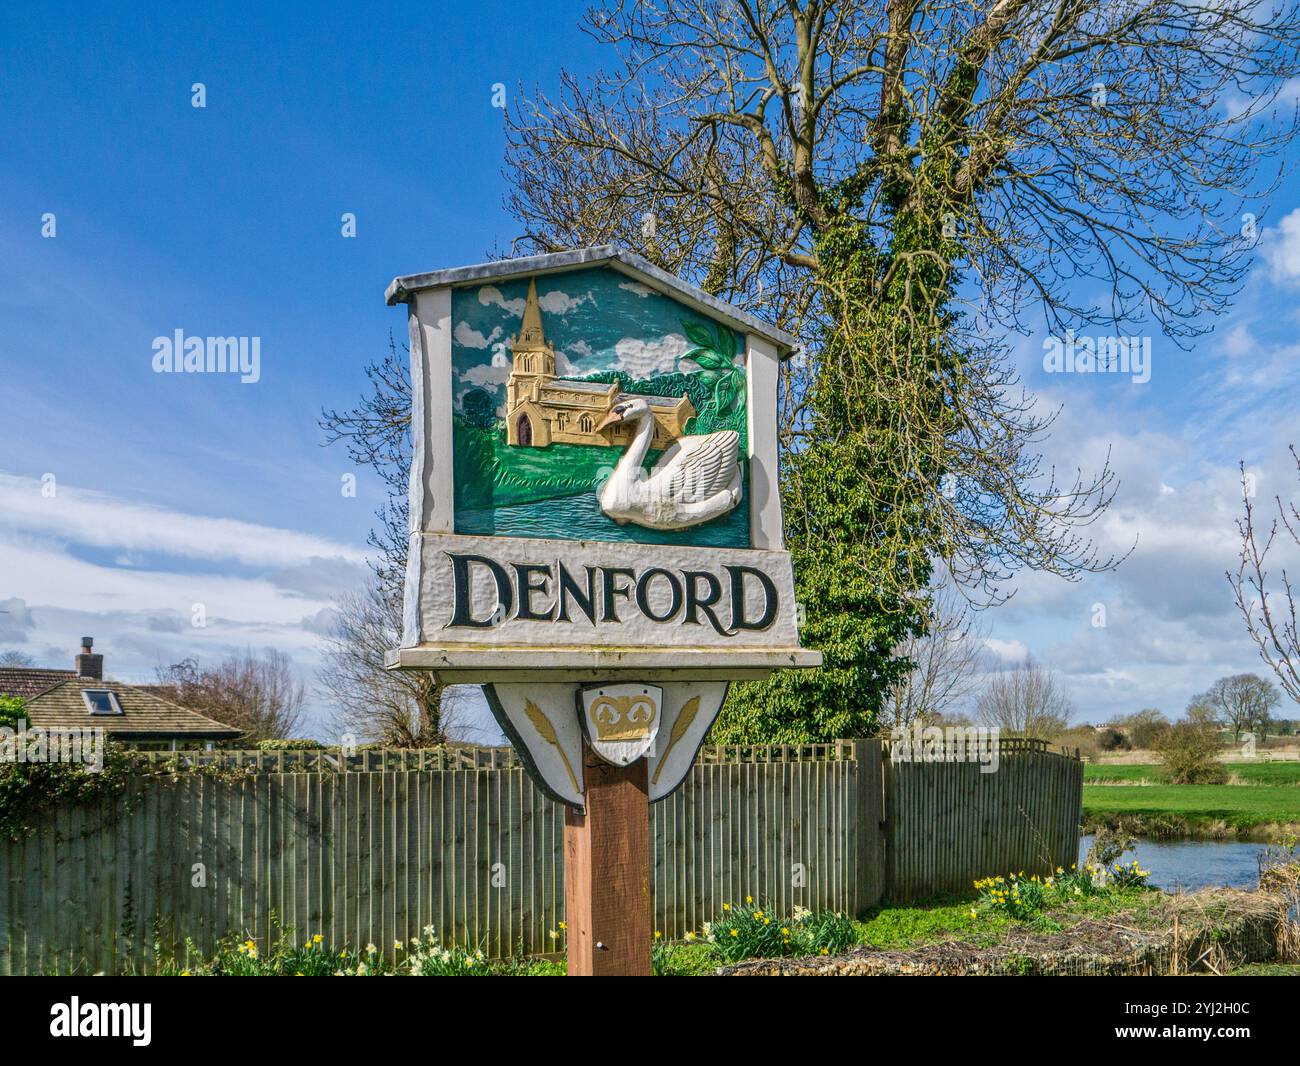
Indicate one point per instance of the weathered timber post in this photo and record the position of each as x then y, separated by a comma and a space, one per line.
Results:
607, 872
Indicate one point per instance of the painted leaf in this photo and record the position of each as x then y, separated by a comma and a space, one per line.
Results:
698, 334
726, 342
724, 396
707, 358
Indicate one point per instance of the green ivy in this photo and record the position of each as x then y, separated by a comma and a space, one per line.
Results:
858, 525
28, 790
12, 714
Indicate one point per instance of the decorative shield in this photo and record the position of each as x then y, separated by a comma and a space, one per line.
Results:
621, 719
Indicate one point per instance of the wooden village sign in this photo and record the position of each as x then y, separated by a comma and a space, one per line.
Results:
596, 538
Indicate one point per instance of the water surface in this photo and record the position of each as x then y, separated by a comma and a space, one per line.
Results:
1193, 864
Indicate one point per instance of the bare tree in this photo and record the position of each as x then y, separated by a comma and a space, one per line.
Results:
947, 660
1268, 606
1243, 703
257, 693
1142, 727
1203, 715
895, 180
376, 433
15, 659
1026, 701
398, 708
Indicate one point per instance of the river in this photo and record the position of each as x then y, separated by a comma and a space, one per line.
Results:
1192, 864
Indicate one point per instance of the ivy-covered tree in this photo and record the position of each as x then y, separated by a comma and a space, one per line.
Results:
903, 183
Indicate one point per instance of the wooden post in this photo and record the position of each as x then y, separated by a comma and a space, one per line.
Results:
607, 872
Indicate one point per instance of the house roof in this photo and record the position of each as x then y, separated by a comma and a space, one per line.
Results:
143, 713
634, 266
27, 681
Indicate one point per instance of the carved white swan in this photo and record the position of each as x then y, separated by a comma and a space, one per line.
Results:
695, 480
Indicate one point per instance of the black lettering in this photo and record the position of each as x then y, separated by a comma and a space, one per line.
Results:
706, 604
643, 594
526, 572
609, 573
569, 587
462, 582
738, 620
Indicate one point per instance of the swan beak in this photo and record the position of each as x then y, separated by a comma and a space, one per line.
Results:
608, 420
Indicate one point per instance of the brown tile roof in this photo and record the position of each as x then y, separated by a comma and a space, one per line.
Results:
27, 681
143, 713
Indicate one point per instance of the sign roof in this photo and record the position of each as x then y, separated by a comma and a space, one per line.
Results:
637, 267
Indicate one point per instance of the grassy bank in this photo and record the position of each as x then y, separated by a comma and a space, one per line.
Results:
1123, 930
1089, 921
1261, 802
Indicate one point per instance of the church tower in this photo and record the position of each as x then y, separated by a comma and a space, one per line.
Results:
533, 356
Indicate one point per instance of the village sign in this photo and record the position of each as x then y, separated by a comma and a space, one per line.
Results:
596, 531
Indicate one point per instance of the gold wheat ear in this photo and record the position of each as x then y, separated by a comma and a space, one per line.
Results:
547, 732
688, 712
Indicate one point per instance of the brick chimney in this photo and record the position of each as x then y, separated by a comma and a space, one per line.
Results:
89, 665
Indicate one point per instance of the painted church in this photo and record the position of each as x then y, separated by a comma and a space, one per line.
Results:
543, 409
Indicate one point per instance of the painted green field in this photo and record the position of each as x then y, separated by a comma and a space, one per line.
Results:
1262, 795
523, 475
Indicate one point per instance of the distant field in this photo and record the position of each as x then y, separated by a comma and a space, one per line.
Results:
1264, 773
1268, 795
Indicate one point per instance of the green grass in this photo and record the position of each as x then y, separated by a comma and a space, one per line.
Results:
1267, 969
897, 928
1265, 793
691, 960
1260, 773
902, 927
1239, 807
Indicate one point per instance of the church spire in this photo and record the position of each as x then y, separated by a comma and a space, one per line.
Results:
530, 333
533, 355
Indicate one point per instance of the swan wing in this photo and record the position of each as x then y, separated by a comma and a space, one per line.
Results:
696, 468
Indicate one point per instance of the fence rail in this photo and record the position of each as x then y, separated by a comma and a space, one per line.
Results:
473, 848
456, 757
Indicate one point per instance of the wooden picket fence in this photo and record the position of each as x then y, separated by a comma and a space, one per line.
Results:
470, 846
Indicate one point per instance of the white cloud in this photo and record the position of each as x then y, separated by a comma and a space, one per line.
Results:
84, 516
1238, 341
467, 336
489, 374
1009, 651
560, 303
1281, 248
490, 295
642, 358
15, 620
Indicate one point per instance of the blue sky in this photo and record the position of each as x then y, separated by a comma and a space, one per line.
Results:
226, 220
